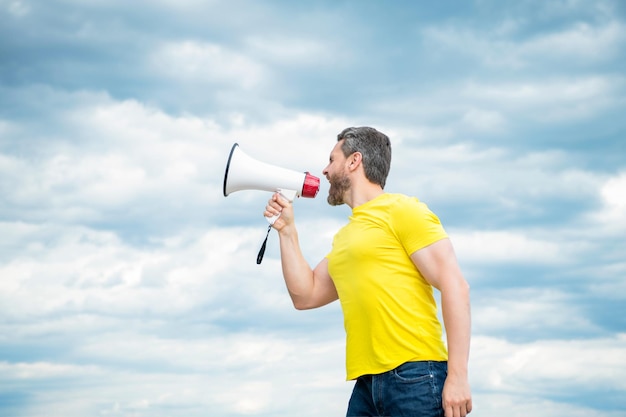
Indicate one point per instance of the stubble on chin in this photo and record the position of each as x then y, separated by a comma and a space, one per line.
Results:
338, 187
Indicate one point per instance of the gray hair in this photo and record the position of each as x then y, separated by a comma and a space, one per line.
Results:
375, 148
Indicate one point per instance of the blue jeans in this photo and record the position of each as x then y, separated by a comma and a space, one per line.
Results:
411, 390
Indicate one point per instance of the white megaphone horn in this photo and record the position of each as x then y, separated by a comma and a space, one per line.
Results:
246, 173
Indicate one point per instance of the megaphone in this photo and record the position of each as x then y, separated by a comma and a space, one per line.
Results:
246, 173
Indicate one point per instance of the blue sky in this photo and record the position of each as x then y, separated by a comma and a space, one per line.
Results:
128, 283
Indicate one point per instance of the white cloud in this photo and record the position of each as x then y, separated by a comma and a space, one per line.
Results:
232, 375
46, 370
128, 281
18, 8
294, 52
140, 326
528, 368
510, 247
497, 47
119, 155
527, 310
75, 269
523, 405
518, 185
582, 41
201, 62
300, 140
123, 158
613, 192
495, 110
551, 100
486, 120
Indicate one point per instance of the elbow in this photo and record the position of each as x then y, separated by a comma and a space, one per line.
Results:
460, 287
464, 288
308, 303
300, 305
298, 300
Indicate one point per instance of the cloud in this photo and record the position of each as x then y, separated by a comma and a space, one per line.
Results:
551, 101
206, 63
77, 269
509, 367
299, 52
129, 284
18, 8
165, 318
120, 159
513, 44
521, 309
172, 374
613, 213
507, 247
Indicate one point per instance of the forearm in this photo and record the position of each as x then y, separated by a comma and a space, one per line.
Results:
296, 270
455, 306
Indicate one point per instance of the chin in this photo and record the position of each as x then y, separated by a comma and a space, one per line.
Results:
334, 202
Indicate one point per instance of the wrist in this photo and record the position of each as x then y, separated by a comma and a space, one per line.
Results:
457, 371
287, 231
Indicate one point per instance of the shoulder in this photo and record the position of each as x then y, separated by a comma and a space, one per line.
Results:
400, 211
414, 224
394, 201
404, 205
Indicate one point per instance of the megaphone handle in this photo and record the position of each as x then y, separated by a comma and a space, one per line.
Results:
289, 195
272, 220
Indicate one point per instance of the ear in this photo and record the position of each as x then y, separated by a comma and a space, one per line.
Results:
354, 160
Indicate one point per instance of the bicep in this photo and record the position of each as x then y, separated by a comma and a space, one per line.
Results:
437, 263
324, 291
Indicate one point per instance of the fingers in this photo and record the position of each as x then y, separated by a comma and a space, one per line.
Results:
456, 397
280, 200
272, 210
458, 410
275, 205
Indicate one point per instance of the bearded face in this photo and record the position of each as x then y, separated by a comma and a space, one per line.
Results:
339, 184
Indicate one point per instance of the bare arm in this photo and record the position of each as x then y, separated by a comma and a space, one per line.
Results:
438, 264
308, 288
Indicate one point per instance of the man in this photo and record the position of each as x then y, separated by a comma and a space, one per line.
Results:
382, 267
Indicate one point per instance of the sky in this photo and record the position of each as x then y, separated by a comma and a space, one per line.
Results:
128, 282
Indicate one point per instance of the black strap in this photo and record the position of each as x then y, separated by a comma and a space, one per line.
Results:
259, 257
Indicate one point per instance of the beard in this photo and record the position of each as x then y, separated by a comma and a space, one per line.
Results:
339, 184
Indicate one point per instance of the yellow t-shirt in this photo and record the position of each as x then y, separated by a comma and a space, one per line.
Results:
390, 314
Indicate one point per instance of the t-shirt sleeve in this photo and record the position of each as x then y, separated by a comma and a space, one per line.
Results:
415, 225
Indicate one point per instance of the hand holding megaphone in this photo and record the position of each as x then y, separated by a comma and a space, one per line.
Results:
278, 207
246, 173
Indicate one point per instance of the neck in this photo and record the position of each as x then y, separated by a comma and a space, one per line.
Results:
363, 193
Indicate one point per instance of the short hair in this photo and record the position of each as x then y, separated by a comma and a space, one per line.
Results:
374, 146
